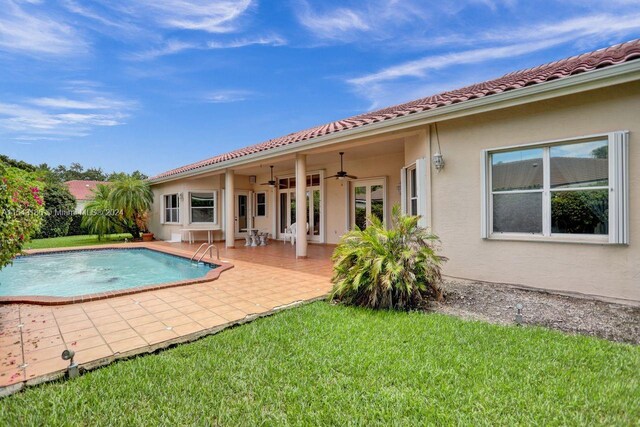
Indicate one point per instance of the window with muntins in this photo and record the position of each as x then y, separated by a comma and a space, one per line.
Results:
564, 190
171, 208
261, 204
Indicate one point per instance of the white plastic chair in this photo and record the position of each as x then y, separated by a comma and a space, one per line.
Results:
290, 233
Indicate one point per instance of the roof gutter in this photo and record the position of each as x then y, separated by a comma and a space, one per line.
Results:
590, 80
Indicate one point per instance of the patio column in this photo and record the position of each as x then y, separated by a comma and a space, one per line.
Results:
229, 206
301, 206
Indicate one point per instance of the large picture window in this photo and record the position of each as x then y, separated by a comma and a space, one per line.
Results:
203, 207
171, 208
570, 189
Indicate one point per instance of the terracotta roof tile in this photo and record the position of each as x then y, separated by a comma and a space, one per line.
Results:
82, 190
613, 55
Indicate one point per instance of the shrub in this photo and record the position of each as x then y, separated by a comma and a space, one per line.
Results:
75, 227
21, 210
59, 205
396, 267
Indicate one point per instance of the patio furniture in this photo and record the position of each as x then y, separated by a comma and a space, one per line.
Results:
290, 233
190, 232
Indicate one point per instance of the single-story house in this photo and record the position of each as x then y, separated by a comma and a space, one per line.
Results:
82, 191
529, 179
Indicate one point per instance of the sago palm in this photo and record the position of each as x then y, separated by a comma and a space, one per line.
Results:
396, 267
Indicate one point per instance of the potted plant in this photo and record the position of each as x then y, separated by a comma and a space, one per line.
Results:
142, 221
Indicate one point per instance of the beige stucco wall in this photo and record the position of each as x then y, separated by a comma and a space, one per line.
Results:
163, 231
605, 270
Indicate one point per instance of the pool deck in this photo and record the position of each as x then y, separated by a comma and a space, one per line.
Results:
262, 281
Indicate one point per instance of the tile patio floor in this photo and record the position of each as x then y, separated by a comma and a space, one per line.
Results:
32, 337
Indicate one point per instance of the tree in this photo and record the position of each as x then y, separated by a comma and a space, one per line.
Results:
60, 206
600, 152
21, 210
114, 176
387, 268
123, 204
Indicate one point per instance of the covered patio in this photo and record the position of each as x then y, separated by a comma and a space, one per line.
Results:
263, 280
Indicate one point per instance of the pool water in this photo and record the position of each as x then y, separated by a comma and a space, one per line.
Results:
73, 273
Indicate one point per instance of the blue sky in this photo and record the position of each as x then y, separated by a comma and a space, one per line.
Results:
152, 85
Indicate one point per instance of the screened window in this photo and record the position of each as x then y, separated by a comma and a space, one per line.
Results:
569, 188
261, 204
171, 208
203, 207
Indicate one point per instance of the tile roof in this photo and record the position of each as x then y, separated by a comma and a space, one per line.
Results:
82, 190
613, 55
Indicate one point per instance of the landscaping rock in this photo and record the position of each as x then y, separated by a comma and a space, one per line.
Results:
574, 314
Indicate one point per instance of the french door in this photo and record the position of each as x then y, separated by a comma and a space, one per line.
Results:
243, 213
368, 198
287, 212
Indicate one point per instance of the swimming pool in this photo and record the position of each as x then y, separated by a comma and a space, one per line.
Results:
85, 272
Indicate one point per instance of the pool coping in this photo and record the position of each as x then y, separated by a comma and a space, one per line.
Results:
213, 274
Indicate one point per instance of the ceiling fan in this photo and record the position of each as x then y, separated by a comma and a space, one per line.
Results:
272, 182
342, 174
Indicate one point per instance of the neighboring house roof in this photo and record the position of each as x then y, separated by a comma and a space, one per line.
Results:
516, 80
524, 174
83, 190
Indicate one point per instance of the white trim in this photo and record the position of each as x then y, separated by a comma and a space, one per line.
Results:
590, 80
215, 206
163, 208
619, 192
403, 189
421, 190
255, 204
485, 191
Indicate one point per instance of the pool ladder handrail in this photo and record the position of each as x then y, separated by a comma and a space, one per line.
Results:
211, 246
208, 248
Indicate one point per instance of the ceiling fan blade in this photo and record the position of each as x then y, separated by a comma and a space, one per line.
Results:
332, 176
351, 177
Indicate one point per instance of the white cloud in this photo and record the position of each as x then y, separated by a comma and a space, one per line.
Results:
585, 32
333, 24
218, 16
33, 33
51, 118
227, 96
172, 47
271, 40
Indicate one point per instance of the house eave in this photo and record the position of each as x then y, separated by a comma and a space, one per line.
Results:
596, 79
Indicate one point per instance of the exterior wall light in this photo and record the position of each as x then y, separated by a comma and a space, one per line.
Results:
438, 162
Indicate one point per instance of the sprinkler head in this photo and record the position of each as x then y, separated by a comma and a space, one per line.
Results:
519, 307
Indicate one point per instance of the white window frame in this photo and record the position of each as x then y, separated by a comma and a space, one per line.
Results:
618, 143
421, 170
256, 204
177, 208
215, 206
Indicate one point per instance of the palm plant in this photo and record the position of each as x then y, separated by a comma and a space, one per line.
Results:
122, 205
396, 267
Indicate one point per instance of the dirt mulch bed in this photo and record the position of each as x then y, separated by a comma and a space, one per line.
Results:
496, 303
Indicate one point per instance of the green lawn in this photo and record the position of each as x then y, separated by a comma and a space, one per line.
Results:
331, 365
64, 242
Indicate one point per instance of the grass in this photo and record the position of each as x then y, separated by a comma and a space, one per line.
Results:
333, 365
67, 241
